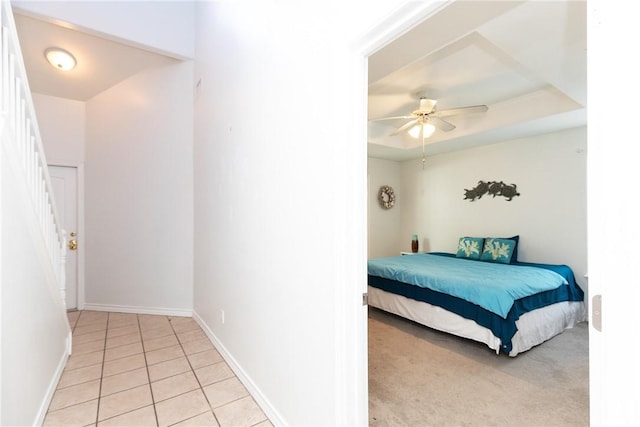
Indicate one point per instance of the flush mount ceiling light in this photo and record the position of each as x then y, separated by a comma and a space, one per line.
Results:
60, 58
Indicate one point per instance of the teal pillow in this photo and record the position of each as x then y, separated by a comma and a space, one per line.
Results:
470, 247
514, 257
498, 250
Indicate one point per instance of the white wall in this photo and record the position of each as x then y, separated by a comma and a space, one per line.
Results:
153, 138
263, 219
34, 324
168, 25
280, 193
385, 236
549, 215
611, 208
62, 128
139, 193
614, 229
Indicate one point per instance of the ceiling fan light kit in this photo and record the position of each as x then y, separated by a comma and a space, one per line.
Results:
424, 121
430, 119
427, 130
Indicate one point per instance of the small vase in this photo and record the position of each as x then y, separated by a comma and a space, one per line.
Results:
414, 244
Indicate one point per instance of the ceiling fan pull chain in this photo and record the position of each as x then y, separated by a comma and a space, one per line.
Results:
422, 134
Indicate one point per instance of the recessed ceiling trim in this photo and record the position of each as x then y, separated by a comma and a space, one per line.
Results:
532, 81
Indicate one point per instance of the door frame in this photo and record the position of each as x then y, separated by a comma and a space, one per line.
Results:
80, 219
403, 20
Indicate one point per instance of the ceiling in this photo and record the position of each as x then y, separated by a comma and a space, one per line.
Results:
101, 63
527, 61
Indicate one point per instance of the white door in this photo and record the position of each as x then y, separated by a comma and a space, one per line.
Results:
65, 189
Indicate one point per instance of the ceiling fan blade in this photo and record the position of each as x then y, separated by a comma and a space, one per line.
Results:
404, 127
461, 110
392, 118
441, 124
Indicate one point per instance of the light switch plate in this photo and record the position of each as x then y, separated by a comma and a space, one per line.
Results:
596, 312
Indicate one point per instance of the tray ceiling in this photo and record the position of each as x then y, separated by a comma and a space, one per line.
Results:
525, 60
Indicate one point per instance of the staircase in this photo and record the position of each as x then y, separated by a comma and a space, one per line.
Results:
22, 144
35, 334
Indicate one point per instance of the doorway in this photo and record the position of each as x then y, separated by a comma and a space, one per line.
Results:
385, 35
64, 180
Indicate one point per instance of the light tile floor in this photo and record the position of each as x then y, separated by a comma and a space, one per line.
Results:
147, 370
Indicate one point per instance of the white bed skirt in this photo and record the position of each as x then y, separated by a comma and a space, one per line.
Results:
534, 327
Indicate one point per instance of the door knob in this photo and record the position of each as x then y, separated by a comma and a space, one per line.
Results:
73, 243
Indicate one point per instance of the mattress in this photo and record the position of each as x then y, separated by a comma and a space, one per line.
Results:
483, 301
533, 328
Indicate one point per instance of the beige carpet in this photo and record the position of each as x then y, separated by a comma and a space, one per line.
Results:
422, 377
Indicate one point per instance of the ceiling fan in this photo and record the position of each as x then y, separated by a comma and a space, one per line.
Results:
426, 118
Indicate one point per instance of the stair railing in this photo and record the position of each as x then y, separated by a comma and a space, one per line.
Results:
22, 144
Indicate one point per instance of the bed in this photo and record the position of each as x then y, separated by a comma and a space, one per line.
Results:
510, 306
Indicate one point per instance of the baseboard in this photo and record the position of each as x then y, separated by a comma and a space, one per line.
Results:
53, 384
255, 392
139, 310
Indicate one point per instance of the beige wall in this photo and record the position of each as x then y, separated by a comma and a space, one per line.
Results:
549, 215
384, 226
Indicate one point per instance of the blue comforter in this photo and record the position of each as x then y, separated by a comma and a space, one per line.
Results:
400, 275
494, 287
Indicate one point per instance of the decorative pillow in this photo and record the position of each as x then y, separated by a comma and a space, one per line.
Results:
498, 250
516, 239
470, 247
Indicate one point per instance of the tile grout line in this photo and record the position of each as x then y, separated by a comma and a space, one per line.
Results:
131, 388
146, 366
104, 353
194, 374
138, 322
57, 389
202, 388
